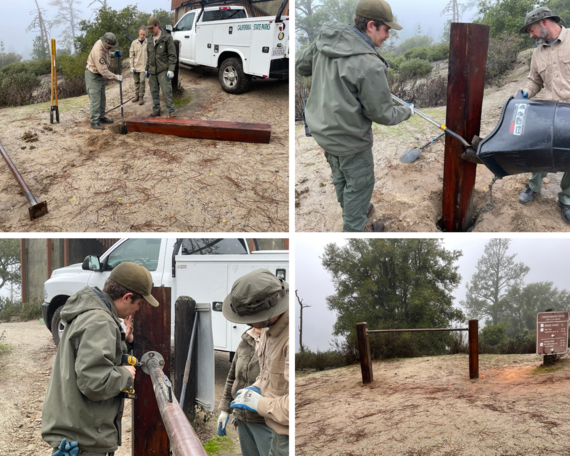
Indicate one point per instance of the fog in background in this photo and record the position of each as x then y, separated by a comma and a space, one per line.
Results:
546, 258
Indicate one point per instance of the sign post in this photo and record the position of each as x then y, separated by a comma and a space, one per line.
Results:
551, 333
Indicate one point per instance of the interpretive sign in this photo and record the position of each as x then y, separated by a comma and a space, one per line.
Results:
551, 333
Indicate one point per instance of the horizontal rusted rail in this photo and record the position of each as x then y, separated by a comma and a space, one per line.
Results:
414, 330
183, 438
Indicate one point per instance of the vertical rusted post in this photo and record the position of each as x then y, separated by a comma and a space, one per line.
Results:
66, 252
24, 269
466, 82
364, 350
49, 257
184, 315
152, 333
474, 348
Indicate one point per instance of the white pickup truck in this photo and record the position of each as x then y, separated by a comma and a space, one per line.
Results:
241, 47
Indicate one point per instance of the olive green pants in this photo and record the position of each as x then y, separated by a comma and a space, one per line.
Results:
140, 83
95, 84
160, 80
279, 445
353, 178
535, 184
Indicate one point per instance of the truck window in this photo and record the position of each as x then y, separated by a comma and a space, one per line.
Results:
185, 23
213, 247
142, 251
221, 15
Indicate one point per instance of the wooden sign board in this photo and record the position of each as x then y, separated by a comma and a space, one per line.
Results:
551, 333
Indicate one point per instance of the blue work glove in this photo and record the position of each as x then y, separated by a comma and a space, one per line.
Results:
222, 423
170, 75
147, 74
133, 70
525, 95
117, 53
411, 105
66, 449
247, 399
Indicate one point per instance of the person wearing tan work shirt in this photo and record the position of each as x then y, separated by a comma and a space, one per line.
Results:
549, 69
95, 74
137, 54
261, 300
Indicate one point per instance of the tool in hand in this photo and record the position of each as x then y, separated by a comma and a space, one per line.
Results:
122, 129
411, 154
54, 107
120, 106
128, 360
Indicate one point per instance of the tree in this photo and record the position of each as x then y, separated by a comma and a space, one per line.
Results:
494, 334
164, 18
392, 283
39, 51
302, 347
505, 15
496, 273
9, 262
39, 24
68, 16
8, 58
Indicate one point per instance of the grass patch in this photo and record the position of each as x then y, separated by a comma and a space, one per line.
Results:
548, 369
183, 101
218, 444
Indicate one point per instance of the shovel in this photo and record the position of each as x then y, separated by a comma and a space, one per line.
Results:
411, 154
121, 129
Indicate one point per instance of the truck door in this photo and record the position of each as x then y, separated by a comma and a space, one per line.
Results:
261, 47
184, 33
204, 46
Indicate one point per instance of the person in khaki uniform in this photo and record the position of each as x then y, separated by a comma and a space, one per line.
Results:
160, 66
96, 72
261, 300
549, 69
138, 56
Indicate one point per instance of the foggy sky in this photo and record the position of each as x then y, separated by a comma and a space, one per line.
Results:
547, 259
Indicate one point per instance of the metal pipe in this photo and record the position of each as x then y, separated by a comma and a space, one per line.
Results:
414, 330
37, 209
183, 438
188, 361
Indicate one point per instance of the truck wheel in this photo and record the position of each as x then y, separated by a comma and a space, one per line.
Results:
57, 326
232, 78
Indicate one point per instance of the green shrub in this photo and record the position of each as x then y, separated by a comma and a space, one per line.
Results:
502, 56
415, 68
421, 52
17, 89
395, 61
493, 334
72, 67
319, 360
439, 52
31, 310
9, 309
35, 67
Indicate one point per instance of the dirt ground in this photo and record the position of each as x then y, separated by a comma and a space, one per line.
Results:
25, 369
407, 197
103, 181
428, 406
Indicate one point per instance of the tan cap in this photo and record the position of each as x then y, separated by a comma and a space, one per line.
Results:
110, 39
536, 15
151, 22
136, 278
377, 10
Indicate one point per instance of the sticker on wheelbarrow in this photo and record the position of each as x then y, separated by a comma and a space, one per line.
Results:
519, 119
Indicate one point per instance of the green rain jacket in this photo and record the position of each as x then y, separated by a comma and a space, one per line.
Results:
162, 55
349, 90
81, 403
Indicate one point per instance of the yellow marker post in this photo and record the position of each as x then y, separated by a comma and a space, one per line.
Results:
54, 107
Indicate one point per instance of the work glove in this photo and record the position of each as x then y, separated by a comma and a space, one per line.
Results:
117, 53
411, 105
222, 423
146, 74
133, 70
170, 74
66, 449
525, 94
247, 399
120, 78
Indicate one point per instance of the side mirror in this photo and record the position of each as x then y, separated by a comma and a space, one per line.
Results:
91, 263
169, 28
217, 306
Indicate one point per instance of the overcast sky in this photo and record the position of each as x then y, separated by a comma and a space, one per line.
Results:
16, 18
547, 259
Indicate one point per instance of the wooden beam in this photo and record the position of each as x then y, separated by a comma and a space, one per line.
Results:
473, 348
152, 333
202, 129
466, 82
364, 351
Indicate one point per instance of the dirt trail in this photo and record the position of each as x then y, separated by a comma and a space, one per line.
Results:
407, 197
102, 181
428, 406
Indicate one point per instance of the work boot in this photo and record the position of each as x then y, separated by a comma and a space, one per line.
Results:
142, 100
376, 227
370, 209
105, 120
565, 211
136, 99
97, 126
527, 195
155, 114
172, 116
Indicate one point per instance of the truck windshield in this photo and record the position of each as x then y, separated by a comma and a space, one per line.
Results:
213, 247
142, 251
221, 15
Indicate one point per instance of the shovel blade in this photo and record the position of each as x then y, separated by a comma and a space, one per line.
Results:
122, 129
410, 155
38, 210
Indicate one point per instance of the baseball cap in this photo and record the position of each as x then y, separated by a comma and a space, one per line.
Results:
135, 278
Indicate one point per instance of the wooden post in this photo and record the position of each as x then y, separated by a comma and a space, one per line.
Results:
184, 315
466, 82
176, 79
152, 333
474, 348
66, 252
364, 350
49, 257
24, 269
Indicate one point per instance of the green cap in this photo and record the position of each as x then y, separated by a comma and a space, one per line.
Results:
135, 278
377, 10
255, 297
151, 22
537, 15
110, 39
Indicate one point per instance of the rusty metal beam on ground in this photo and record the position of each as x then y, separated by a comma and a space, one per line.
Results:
473, 348
202, 129
364, 350
152, 333
36, 209
466, 82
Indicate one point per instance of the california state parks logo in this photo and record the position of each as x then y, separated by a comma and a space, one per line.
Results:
281, 35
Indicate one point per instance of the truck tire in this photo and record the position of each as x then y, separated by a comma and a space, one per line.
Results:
232, 78
57, 326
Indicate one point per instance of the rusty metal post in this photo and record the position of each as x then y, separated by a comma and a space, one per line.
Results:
466, 82
24, 269
364, 350
473, 348
183, 438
